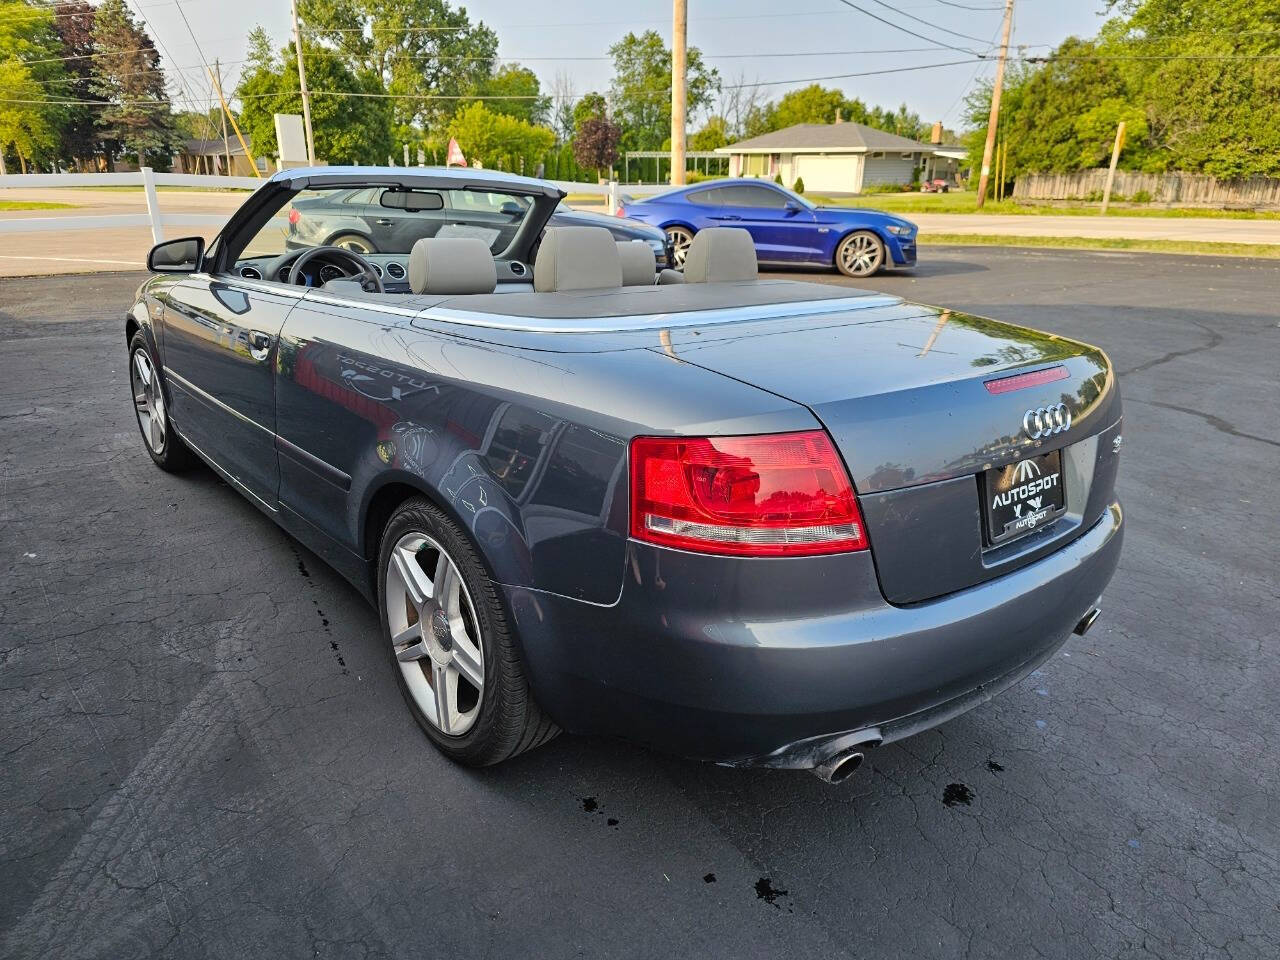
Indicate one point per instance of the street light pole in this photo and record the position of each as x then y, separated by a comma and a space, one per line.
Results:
679, 38
994, 120
302, 85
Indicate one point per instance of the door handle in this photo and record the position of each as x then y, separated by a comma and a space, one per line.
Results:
259, 344
383, 222
729, 216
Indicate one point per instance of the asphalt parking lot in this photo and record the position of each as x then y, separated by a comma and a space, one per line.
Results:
205, 754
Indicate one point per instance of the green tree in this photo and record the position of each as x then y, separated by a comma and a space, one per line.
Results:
812, 104
713, 135
79, 139
641, 90
515, 91
127, 74
591, 105
499, 141
423, 51
31, 82
348, 127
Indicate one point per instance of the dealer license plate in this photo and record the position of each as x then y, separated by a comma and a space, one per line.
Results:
1022, 497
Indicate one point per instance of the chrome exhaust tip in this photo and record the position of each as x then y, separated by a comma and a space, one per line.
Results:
1086, 622
840, 766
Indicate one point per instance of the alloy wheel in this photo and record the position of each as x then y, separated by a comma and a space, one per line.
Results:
435, 633
354, 243
860, 255
148, 400
679, 238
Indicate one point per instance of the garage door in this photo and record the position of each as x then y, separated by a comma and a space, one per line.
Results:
833, 174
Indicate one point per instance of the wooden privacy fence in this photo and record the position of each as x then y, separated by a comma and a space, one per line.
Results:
1182, 188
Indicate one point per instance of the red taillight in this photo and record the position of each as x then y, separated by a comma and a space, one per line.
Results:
294, 217
619, 213
778, 495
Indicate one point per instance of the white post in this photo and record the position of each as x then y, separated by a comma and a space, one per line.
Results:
611, 198
153, 204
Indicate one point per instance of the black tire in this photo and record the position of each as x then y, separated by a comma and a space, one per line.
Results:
678, 239
509, 720
860, 254
355, 242
169, 453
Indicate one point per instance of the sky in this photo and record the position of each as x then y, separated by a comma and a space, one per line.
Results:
741, 38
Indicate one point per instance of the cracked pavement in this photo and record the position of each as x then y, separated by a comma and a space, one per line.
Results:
205, 754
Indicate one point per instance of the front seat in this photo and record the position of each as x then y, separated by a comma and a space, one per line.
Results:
452, 265
721, 255
639, 265
577, 258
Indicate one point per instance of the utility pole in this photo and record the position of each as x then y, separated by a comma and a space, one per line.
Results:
1111, 172
302, 85
994, 120
226, 144
226, 112
679, 37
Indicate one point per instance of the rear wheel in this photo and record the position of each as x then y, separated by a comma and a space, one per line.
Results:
354, 242
446, 629
165, 446
679, 238
860, 254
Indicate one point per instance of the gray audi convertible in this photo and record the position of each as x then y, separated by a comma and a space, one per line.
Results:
758, 522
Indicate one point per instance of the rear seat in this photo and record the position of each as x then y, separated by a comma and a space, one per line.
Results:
577, 258
452, 265
721, 255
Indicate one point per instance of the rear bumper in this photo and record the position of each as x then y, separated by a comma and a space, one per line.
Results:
756, 661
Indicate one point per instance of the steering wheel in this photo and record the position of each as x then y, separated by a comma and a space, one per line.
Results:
369, 279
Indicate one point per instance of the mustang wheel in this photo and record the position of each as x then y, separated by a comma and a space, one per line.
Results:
455, 660
860, 254
679, 238
165, 446
353, 242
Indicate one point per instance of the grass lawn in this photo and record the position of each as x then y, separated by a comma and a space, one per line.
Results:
1266, 250
34, 205
965, 202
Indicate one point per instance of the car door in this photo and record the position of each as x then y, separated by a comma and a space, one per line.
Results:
221, 334
782, 229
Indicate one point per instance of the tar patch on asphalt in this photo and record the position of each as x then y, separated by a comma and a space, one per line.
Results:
957, 793
709, 878
590, 804
766, 891
994, 767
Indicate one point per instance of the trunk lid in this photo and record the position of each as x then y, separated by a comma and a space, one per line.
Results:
904, 391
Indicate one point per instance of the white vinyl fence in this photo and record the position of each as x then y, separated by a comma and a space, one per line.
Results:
157, 220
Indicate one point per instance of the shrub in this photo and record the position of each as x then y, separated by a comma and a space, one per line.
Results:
798, 186
777, 178
693, 176
1142, 196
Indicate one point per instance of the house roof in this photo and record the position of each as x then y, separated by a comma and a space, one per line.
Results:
209, 148
827, 138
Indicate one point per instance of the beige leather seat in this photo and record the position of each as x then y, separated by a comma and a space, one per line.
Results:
639, 265
721, 255
452, 265
577, 258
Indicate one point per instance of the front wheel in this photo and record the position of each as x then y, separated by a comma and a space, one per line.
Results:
679, 238
166, 447
455, 660
860, 254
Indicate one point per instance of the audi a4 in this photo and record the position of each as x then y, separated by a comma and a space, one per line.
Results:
757, 522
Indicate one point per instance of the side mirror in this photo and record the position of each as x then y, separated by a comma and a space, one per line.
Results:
511, 209
176, 256
792, 208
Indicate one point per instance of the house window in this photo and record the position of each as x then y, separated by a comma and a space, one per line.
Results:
877, 155
757, 165
907, 156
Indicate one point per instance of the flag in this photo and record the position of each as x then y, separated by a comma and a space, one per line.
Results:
455, 157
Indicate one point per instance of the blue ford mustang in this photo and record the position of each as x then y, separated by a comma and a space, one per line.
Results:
786, 228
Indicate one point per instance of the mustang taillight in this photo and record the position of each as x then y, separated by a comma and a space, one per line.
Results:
776, 495
294, 217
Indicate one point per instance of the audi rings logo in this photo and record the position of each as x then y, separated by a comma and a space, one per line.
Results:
1046, 421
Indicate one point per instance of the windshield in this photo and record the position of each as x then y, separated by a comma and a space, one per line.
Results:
390, 220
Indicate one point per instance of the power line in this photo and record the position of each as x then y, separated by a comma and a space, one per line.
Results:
906, 30
927, 23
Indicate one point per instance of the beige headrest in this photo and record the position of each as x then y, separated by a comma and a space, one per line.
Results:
577, 258
720, 254
638, 263
451, 265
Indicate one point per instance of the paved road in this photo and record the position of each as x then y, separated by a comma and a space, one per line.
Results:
205, 754
115, 248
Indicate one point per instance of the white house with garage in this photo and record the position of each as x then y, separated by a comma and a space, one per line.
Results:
831, 157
